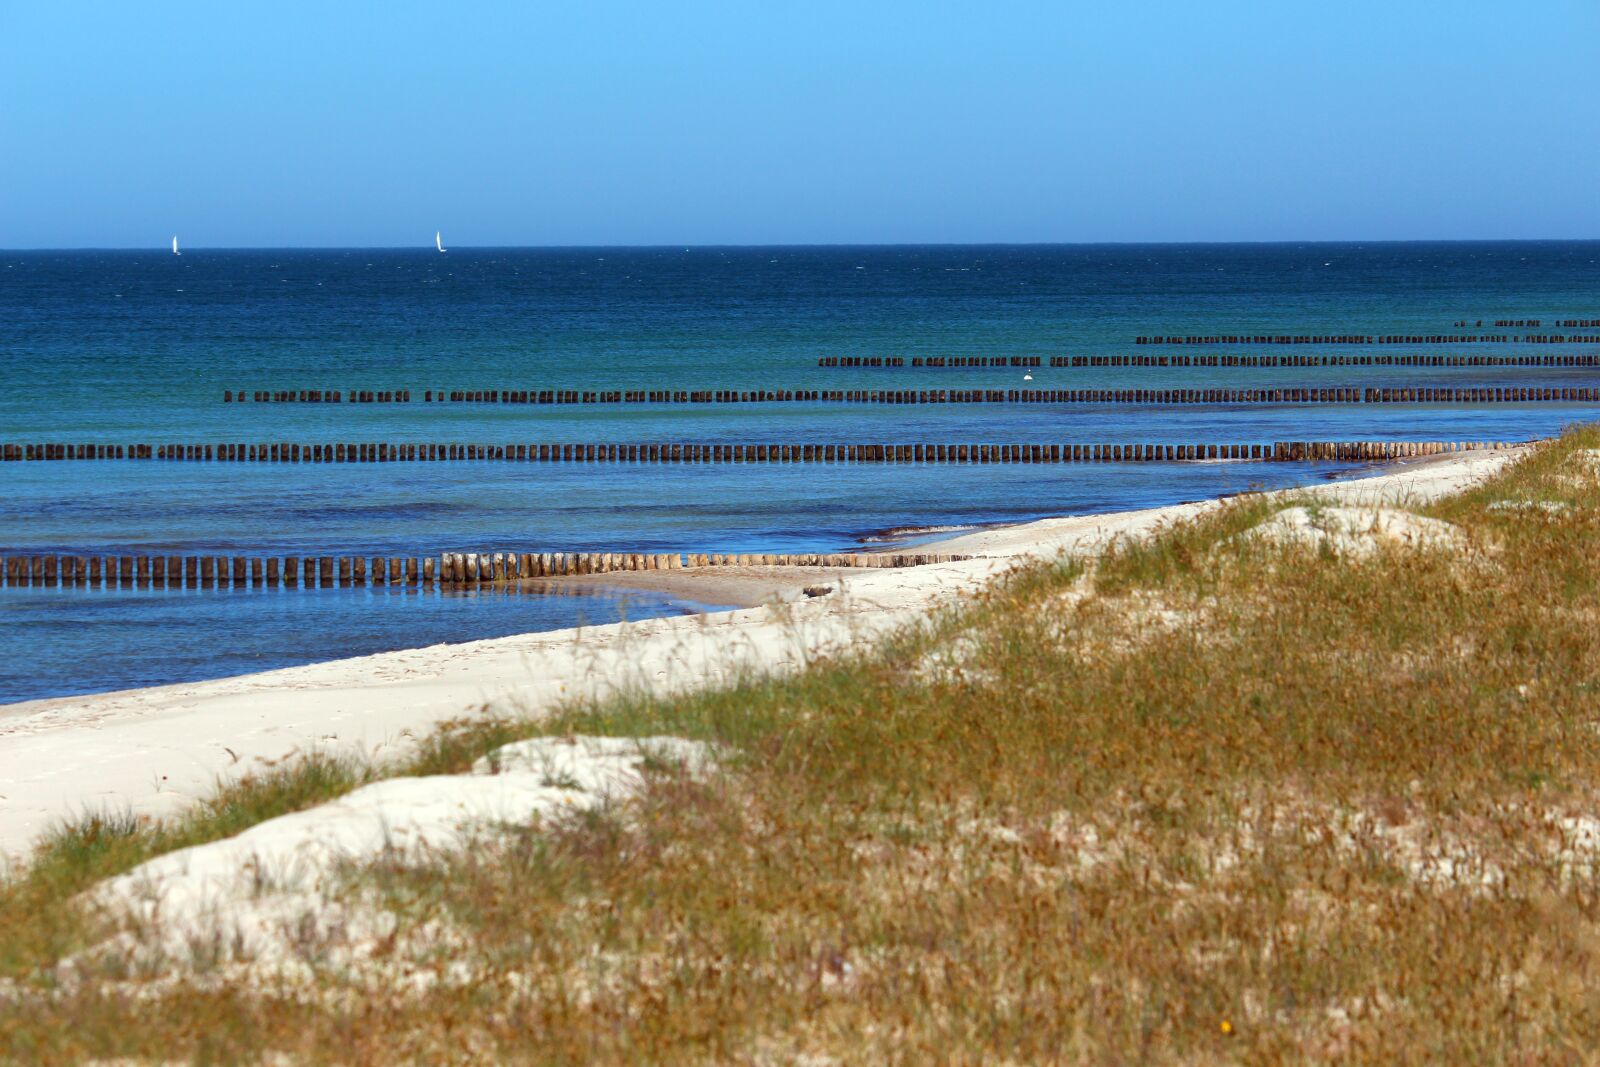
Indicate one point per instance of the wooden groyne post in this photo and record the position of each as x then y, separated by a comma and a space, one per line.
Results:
50, 570
701, 453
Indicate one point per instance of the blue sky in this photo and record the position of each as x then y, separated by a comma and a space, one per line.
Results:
596, 122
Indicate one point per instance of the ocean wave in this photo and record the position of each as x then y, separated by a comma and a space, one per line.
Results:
904, 533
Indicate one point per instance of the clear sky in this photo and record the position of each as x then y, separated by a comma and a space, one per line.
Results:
675, 122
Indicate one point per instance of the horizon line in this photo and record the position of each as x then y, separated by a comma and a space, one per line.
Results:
805, 245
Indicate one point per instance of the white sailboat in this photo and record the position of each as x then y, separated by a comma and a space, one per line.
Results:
175, 247
438, 242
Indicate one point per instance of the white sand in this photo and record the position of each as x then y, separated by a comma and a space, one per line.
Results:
1356, 531
258, 895
154, 751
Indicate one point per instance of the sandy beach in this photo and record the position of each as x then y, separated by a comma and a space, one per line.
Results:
734, 587
153, 751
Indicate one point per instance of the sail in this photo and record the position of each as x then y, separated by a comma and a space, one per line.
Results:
438, 241
175, 247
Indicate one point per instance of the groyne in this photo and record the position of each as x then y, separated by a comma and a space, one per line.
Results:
443, 569
1309, 395
1367, 339
713, 453
1221, 359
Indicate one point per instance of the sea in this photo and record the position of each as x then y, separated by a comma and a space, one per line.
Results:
139, 346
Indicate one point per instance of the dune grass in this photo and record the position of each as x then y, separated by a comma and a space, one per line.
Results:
1207, 798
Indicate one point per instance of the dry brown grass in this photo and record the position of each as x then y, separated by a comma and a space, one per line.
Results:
1235, 801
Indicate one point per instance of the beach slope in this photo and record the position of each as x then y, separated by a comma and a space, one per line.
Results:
155, 751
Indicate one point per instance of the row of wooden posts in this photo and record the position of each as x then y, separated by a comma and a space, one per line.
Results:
1366, 339
1228, 360
1317, 395
935, 361
1568, 324
318, 396
382, 452
447, 568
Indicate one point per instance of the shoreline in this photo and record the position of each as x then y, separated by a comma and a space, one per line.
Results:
156, 750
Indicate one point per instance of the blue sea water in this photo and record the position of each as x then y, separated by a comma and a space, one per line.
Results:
122, 347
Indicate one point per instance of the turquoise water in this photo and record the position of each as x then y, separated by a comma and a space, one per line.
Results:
126, 347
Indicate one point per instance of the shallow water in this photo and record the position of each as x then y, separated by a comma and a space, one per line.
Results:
122, 637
